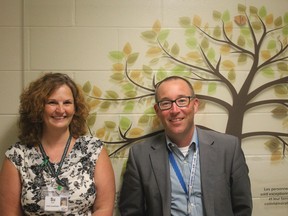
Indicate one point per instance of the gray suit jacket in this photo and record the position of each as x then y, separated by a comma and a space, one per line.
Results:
226, 190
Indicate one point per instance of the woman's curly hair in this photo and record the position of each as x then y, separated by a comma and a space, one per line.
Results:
32, 103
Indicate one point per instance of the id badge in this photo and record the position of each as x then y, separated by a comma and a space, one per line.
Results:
56, 203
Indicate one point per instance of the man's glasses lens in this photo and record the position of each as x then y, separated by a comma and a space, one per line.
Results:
180, 102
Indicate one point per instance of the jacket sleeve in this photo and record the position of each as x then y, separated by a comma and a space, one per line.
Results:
240, 184
131, 201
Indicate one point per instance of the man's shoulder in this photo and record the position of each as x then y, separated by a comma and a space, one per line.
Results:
213, 133
148, 142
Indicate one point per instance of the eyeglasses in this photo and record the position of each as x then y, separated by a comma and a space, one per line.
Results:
180, 102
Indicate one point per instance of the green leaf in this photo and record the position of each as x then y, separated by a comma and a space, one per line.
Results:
91, 119
112, 94
241, 41
245, 31
226, 16
242, 58
205, 43
241, 8
268, 72
178, 69
147, 70
116, 55
175, 49
280, 111
129, 106
161, 74
185, 21
105, 105
271, 44
256, 25
87, 87
216, 15
117, 76
191, 42
144, 119
132, 58
211, 54
150, 111
282, 66
273, 144
149, 35
253, 10
212, 87
163, 34
217, 32
190, 31
110, 125
231, 75
278, 21
285, 18
128, 87
124, 123
285, 31
262, 12
130, 94
281, 90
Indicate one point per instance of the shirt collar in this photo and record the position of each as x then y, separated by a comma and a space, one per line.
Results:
170, 144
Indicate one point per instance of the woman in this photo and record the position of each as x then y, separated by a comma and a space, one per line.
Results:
54, 160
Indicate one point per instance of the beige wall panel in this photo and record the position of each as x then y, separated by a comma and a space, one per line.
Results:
11, 13
114, 13
10, 89
49, 13
11, 48
71, 48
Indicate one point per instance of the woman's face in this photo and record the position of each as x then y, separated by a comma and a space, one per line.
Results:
59, 109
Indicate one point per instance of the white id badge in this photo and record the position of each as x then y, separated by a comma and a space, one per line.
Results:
56, 203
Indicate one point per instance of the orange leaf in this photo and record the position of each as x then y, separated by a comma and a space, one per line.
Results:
240, 20
269, 19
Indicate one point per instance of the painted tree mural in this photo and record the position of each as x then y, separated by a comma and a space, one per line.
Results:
211, 58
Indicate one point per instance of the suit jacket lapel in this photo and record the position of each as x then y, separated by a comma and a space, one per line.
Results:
206, 150
161, 169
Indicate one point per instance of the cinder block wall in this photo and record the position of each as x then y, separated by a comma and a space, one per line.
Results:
77, 37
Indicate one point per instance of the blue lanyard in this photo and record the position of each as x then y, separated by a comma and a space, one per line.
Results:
179, 175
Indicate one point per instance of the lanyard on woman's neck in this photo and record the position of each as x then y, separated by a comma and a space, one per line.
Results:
51, 168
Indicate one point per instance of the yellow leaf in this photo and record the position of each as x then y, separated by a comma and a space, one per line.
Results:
135, 74
197, 20
277, 155
153, 51
225, 49
127, 49
93, 103
197, 85
228, 64
229, 27
118, 67
97, 91
193, 55
100, 133
157, 26
265, 54
135, 132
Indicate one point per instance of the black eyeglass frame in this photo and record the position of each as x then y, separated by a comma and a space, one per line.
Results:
175, 101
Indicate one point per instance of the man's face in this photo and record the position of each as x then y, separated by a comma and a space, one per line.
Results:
177, 121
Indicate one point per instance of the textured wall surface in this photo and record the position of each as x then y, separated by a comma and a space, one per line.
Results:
113, 49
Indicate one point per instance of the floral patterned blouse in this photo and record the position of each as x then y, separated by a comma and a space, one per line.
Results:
77, 170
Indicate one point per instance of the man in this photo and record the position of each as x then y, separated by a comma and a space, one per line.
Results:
186, 170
